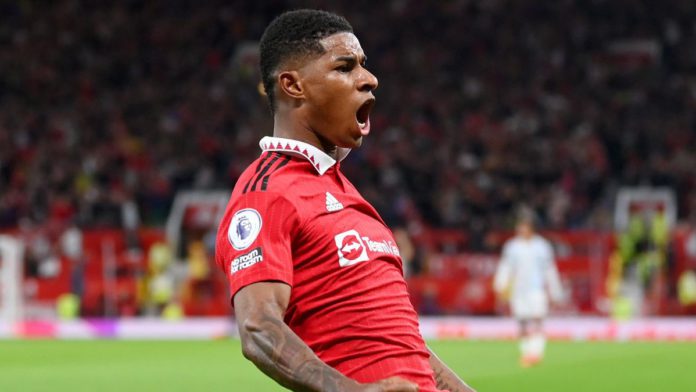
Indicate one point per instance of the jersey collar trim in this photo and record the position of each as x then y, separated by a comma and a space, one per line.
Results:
318, 158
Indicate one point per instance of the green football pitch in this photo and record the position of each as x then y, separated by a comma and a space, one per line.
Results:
130, 366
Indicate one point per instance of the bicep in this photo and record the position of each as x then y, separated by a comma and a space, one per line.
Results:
550, 261
508, 256
503, 271
505, 264
260, 300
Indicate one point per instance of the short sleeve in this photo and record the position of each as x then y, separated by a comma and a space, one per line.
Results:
548, 253
254, 241
503, 273
507, 253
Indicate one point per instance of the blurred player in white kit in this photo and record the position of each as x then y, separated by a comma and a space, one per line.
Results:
527, 276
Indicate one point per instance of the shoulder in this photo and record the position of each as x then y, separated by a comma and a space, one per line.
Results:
542, 241
260, 194
253, 214
510, 244
514, 241
267, 204
272, 171
544, 244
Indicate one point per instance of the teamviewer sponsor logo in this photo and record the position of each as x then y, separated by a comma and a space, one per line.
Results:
246, 260
383, 246
351, 249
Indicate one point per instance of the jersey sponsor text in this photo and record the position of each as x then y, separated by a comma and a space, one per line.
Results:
352, 249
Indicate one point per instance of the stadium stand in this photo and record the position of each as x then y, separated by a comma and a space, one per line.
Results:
108, 109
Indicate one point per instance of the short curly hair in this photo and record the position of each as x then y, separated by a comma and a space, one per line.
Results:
292, 34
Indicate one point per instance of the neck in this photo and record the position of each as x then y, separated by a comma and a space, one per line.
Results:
292, 125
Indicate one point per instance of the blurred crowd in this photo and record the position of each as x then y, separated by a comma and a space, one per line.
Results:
108, 108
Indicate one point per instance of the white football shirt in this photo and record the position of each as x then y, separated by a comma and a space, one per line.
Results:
527, 266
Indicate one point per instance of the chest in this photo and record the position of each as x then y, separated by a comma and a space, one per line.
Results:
528, 256
341, 230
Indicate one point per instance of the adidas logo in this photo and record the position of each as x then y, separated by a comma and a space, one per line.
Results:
332, 204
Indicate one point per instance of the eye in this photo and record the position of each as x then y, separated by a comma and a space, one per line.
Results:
346, 68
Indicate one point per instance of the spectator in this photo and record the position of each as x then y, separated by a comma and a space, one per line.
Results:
481, 105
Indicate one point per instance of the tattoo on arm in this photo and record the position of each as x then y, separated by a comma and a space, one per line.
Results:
445, 378
441, 381
282, 355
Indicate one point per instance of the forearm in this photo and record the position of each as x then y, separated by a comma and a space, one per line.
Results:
445, 378
275, 349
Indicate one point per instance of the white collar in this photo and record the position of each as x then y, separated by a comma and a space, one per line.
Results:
318, 158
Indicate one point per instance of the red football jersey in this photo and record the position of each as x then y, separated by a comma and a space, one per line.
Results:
294, 218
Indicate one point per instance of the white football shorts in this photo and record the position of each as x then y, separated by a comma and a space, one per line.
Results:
530, 305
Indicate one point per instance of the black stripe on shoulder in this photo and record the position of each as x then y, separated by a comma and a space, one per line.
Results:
258, 167
265, 170
264, 183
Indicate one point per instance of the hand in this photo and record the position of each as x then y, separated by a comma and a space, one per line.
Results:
392, 384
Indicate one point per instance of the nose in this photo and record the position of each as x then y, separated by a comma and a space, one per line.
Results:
368, 81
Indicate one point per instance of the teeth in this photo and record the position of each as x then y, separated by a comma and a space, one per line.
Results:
362, 124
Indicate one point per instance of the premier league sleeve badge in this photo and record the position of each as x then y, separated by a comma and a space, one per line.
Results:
244, 228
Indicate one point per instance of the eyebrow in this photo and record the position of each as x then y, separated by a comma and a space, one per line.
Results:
350, 59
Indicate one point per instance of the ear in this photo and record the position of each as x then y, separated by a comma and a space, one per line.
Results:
289, 83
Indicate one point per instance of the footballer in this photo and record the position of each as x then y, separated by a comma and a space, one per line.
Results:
315, 275
527, 274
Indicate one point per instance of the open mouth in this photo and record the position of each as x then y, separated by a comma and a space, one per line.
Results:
362, 116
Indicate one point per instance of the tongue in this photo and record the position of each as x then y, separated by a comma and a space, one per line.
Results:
366, 130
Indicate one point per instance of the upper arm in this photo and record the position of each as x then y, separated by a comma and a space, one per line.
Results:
549, 257
254, 241
259, 301
506, 257
507, 254
503, 272
259, 310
